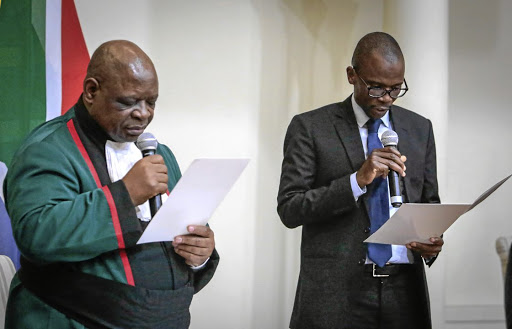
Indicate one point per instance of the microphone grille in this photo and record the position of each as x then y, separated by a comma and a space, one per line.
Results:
389, 138
146, 141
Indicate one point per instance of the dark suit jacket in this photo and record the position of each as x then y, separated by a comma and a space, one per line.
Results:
508, 291
322, 149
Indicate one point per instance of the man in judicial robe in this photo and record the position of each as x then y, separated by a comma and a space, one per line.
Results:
77, 194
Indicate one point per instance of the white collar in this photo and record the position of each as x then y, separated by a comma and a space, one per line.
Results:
120, 159
362, 118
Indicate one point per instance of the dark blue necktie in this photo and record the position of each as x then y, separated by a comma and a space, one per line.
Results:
379, 203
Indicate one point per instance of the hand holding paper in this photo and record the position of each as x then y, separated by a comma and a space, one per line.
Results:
418, 222
195, 247
427, 250
193, 200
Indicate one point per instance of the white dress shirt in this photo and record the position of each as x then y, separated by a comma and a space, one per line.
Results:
400, 254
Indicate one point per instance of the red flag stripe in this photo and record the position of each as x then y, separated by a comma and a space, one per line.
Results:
75, 56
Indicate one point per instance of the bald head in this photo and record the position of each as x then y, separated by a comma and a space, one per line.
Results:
376, 44
121, 89
113, 57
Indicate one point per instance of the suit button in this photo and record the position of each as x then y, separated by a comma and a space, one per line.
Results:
361, 261
367, 230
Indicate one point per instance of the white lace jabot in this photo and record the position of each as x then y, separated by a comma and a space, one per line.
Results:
120, 159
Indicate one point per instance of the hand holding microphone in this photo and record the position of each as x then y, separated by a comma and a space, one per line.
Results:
148, 177
384, 162
147, 144
389, 138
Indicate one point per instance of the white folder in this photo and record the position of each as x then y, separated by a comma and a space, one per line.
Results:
421, 221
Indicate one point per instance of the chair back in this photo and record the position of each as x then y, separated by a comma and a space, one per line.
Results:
6, 274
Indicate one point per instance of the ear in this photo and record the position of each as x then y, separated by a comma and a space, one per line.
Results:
91, 87
351, 75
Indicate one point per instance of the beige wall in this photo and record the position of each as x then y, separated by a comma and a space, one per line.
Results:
479, 103
233, 73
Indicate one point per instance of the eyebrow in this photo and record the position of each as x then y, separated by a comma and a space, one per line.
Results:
125, 98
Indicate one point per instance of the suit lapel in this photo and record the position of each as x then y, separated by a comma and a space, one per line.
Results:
346, 126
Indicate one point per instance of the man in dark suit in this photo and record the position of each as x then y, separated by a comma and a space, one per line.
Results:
327, 184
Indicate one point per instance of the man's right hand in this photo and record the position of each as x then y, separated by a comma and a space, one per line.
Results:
378, 164
147, 178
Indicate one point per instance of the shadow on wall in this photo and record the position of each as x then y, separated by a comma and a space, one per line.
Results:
318, 57
305, 48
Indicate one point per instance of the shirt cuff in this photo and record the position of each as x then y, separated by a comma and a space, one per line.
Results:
356, 190
199, 267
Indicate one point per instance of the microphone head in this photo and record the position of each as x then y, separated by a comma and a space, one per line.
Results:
389, 138
146, 141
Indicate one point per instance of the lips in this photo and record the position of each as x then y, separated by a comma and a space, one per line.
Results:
135, 130
378, 112
381, 110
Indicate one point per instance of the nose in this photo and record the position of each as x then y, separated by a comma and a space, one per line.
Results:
386, 98
142, 111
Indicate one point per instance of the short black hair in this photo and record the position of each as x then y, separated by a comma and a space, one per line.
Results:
379, 42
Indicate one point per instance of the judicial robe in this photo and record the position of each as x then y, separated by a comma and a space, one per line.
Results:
77, 232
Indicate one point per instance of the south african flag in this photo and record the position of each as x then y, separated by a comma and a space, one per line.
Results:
43, 60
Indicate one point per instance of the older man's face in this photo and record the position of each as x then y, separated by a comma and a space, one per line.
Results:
124, 103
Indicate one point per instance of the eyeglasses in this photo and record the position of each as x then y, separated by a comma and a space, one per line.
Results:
377, 92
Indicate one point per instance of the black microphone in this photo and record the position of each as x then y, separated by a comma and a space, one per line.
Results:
390, 138
147, 144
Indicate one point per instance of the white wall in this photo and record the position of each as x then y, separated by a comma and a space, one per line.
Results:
478, 156
233, 73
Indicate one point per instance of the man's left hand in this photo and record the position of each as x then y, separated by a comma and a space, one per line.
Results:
427, 250
195, 247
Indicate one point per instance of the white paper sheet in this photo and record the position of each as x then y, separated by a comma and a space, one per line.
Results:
194, 198
419, 221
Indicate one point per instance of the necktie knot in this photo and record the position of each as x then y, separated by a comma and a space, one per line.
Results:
373, 125
373, 136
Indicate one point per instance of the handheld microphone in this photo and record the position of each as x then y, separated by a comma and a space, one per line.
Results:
390, 138
147, 144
